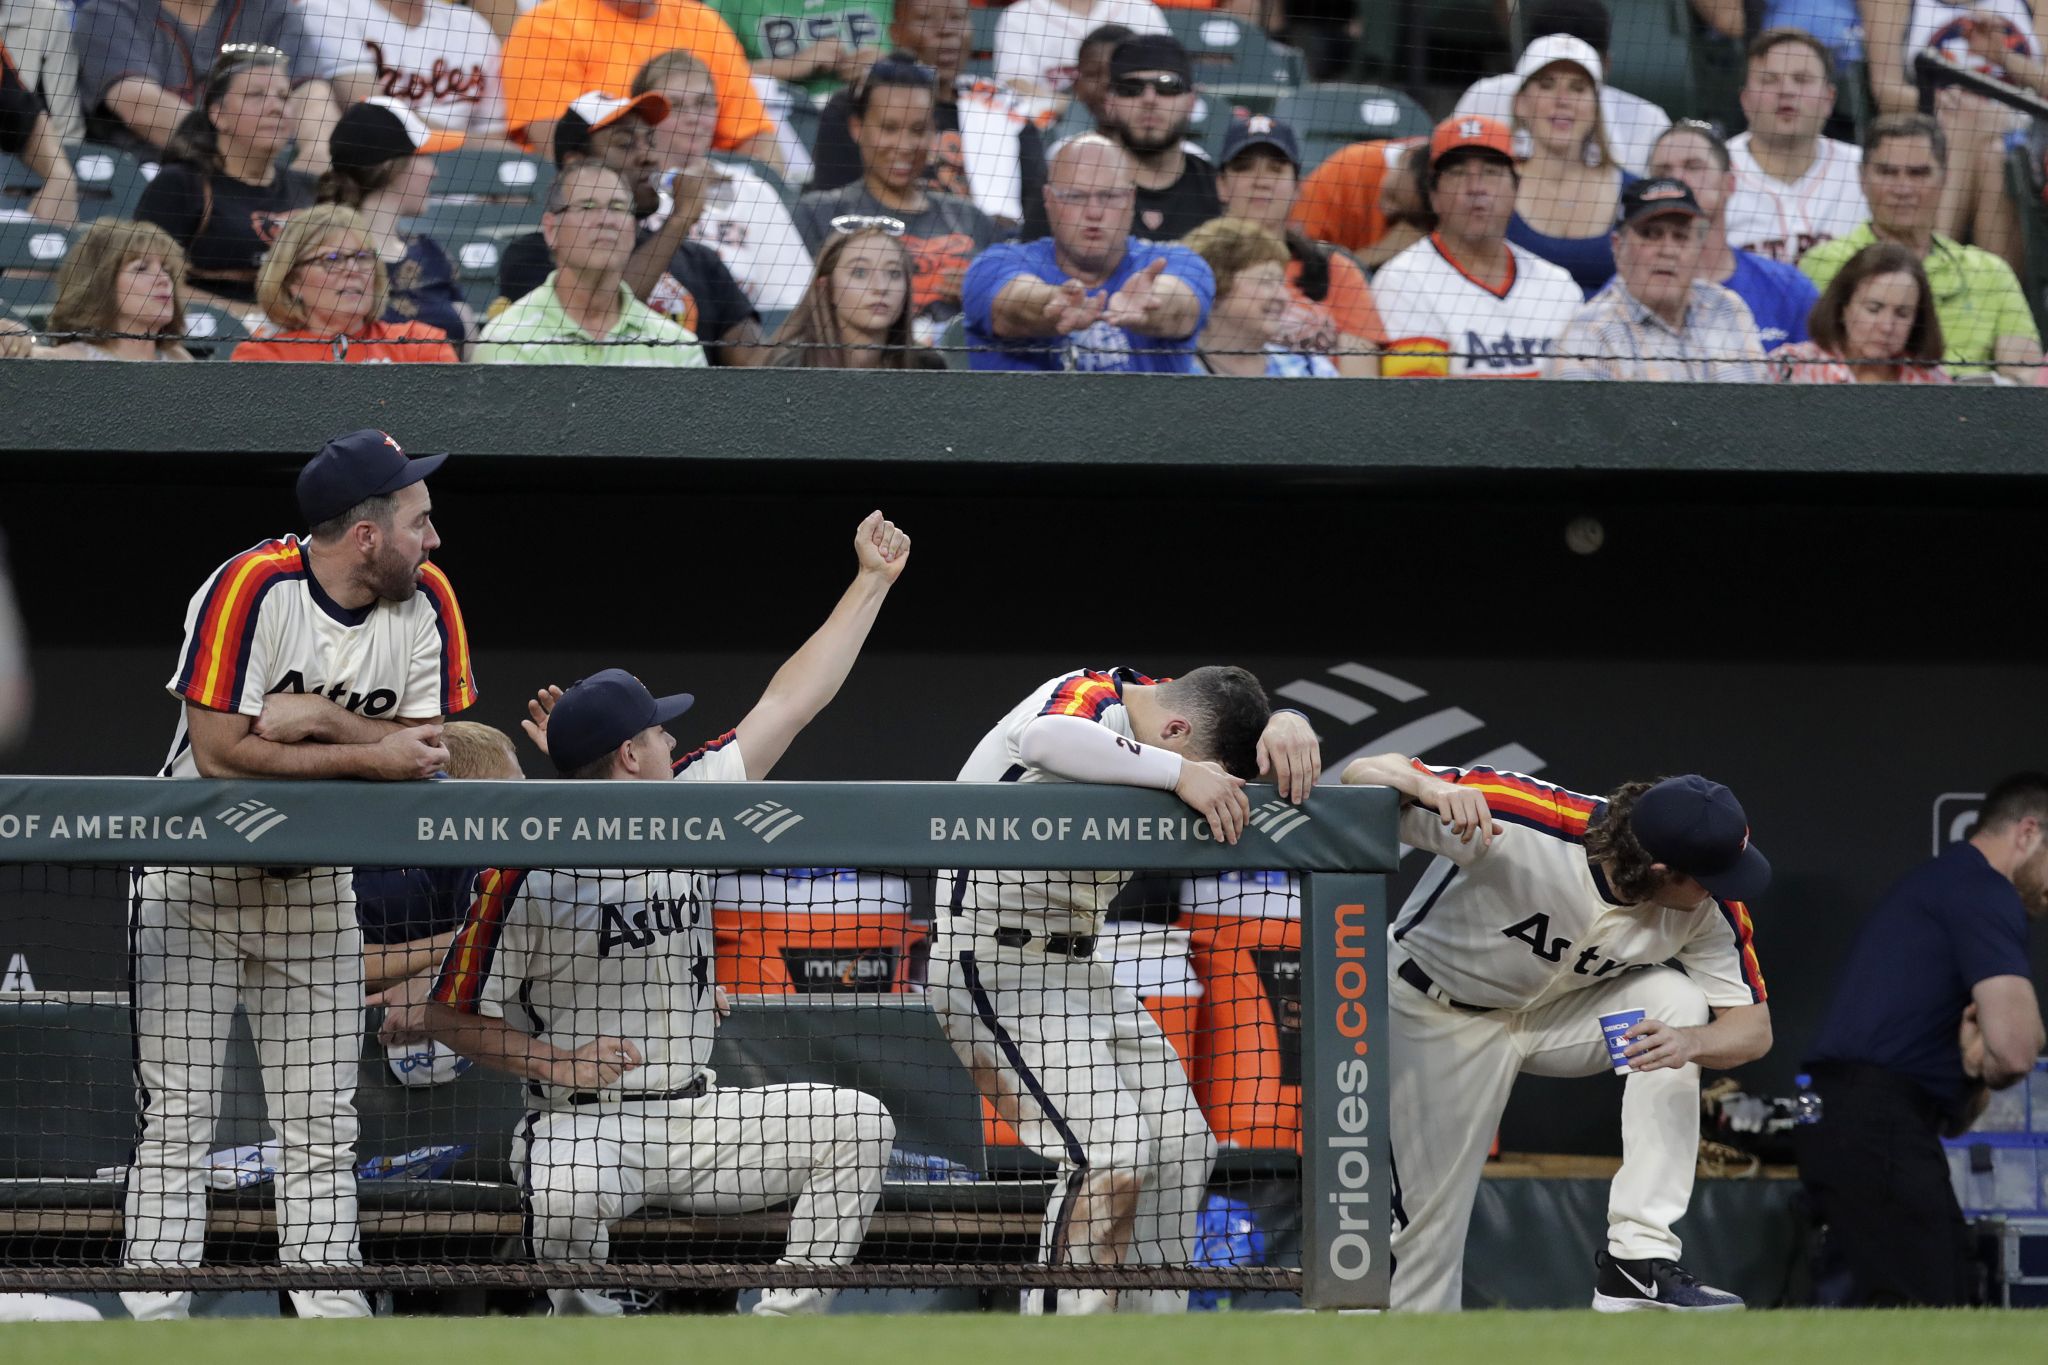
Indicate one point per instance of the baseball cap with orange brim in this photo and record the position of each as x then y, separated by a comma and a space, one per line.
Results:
1471, 132
594, 109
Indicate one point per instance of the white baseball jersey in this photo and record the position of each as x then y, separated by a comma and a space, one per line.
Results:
261, 624
446, 68
1038, 42
747, 223
572, 955
1530, 919
1051, 902
1781, 220
1444, 323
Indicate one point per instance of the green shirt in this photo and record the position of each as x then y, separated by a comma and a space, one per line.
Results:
1976, 295
536, 331
769, 29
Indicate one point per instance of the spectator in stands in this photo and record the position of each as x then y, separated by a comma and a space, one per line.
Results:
1632, 123
1245, 333
220, 193
560, 49
1329, 309
1657, 319
1091, 296
891, 119
1793, 187
1465, 302
1091, 70
1151, 98
583, 313
857, 313
1038, 42
740, 215
812, 43
324, 287
26, 131
123, 278
988, 149
1368, 199
37, 36
1984, 316
676, 277
1877, 324
1779, 297
1570, 182
144, 66
439, 60
383, 170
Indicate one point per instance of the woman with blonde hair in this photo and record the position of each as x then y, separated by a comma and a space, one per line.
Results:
1250, 312
856, 314
120, 296
1571, 184
324, 286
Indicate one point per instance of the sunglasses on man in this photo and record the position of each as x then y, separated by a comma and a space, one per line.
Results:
1166, 85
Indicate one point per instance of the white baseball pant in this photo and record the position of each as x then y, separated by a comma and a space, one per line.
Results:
287, 949
1451, 1074
1079, 1065
726, 1151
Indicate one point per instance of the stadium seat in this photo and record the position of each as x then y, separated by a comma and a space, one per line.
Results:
952, 343
211, 331
30, 253
803, 115
1649, 51
1235, 60
470, 175
984, 44
109, 182
1329, 117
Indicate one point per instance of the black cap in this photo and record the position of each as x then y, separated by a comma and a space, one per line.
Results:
1150, 52
348, 469
1698, 828
1653, 198
1261, 130
602, 712
374, 132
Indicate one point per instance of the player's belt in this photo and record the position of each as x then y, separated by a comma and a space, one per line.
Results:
686, 1092
1065, 945
1421, 981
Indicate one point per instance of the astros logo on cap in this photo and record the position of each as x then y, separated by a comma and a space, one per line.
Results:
1259, 124
391, 442
1471, 127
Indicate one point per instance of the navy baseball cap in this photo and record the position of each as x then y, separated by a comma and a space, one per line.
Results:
1261, 130
1647, 199
602, 712
1698, 828
348, 469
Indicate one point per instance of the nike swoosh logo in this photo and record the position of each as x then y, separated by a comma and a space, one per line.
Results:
1649, 1290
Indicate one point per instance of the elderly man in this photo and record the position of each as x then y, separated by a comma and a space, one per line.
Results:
583, 313
1983, 310
1656, 319
1091, 296
1793, 187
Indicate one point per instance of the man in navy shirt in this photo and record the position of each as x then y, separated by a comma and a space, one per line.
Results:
1091, 296
1933, 1008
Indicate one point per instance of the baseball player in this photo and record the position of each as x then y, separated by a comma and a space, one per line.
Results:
595, 987
336, 655
1465, 302
1063, 1052
1543, 911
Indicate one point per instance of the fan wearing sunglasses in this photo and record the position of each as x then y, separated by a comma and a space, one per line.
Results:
890, 115
324, 286
1147, 110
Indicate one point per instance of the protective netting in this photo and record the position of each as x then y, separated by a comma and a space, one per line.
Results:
659, 1080
1363, 187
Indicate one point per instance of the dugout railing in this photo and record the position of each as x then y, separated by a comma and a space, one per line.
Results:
69, 848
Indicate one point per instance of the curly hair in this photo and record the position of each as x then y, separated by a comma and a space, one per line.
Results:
1631, 871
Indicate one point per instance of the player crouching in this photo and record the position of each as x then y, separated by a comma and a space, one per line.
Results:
1545, 911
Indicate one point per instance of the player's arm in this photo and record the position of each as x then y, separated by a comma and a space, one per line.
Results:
1290, 752
491, 1042
1078, 749
302, 717
386, 965
1734, 1037
1463, 810
2007, 1023
803, 686
225, 744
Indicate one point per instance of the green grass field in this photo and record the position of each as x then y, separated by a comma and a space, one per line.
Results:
2006, 1338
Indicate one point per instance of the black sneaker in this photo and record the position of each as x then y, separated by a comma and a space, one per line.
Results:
1626, 1286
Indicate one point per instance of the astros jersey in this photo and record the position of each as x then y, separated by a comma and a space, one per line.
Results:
1781, 220
573, 955
1530, 918
1442, 322
261, 624
1056, 902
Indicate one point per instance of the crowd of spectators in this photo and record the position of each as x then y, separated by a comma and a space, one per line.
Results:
1055, 209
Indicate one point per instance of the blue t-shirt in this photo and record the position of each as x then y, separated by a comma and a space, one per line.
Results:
1098, 348
1948, 924
1778, 294
1588, 260
423, 289
401, 904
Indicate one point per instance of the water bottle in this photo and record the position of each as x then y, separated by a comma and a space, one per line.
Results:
1805, 1105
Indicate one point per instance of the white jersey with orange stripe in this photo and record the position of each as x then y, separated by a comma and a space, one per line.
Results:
1530, 918
1443, 323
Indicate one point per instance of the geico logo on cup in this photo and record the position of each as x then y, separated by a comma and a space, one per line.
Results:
1349, 1253
75, 825
1054, 829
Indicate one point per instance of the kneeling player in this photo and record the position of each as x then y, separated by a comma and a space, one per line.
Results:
595, 987
1063, 1052
1544, 911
